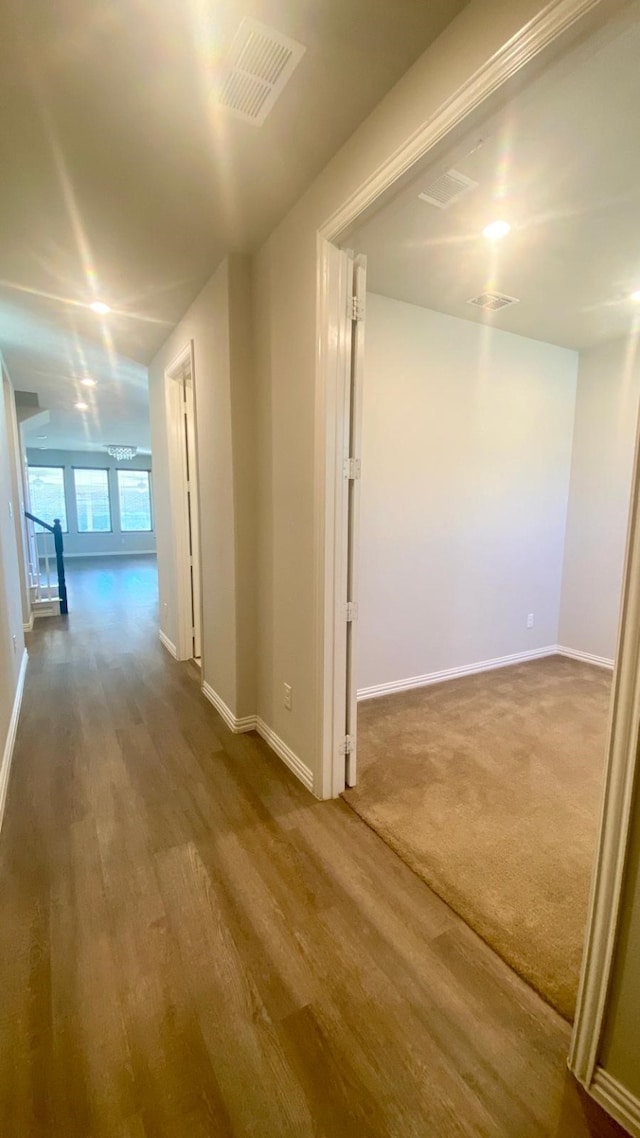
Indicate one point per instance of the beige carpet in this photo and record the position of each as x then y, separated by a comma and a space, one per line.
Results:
489, 788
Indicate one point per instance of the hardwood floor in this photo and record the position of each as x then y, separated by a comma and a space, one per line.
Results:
192, 946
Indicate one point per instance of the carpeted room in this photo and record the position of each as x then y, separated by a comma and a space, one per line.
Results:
497, 454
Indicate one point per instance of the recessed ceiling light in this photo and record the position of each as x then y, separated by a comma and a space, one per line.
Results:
80, 406
636, 295
495, 230
100, 307
88, 381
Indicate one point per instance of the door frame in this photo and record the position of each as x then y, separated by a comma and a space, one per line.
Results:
178, 498
557, 18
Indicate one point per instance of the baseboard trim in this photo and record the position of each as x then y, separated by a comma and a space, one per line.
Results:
584, 657
255, 723
616, 1100
289, 757
7, 755
236, 724
28, 627
112, 553
455, 673
169, 645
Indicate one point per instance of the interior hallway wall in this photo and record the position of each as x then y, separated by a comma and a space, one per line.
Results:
602, 462
466, 454
11, 631
225, 432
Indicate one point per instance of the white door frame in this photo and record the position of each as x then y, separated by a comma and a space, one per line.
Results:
178, 499
556, 19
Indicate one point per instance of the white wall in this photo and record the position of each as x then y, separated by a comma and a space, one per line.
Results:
604, 440
219, 323
88, 544
11, 632
466, 454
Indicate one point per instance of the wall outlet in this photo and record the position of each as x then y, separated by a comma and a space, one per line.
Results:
15, 644
287, 696
530, 620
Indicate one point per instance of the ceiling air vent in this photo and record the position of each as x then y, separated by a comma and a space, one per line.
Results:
492, 301
261, 61
447, 189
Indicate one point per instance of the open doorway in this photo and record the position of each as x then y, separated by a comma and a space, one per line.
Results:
500, 398
183, 473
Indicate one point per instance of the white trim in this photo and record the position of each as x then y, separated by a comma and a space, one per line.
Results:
616, 1100
28, 627
113, 553
585, 657
377, 690
235, 724
555, 18
255, 723
7, 755
169, 645
295, 764
178, 496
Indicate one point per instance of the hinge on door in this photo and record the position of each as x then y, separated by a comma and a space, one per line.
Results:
352, 467
348, 745
356, 309
351, 610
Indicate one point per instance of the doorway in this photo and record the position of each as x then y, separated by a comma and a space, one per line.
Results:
342, 462
183, 473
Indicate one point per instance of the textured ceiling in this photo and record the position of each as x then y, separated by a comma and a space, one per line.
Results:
122, 180
561, 163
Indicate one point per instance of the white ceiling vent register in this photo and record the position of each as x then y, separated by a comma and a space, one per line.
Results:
260, 63
492, 301
447, 189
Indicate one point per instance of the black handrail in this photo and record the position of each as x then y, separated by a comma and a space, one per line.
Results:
56, 530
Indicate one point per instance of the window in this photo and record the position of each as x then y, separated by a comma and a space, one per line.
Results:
46, 491
92, 500
135, 500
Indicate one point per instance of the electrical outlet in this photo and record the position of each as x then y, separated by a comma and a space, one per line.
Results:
530, 620
15, 644
287, 696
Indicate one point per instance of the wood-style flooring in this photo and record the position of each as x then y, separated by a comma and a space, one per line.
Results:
191, 945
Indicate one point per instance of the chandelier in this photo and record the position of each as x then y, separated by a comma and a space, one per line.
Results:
121, 453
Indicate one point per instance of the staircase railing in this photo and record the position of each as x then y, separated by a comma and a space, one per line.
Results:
58, 545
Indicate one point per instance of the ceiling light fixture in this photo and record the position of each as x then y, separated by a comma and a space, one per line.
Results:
636, 295
100, 307
88, 381
121, 453
80, 406
496, 230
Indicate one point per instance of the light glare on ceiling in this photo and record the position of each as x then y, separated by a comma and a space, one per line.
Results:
636, 295
88, 381
100, 307
495, 230
80, 406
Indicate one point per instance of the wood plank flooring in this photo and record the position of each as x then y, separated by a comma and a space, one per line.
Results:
191, 945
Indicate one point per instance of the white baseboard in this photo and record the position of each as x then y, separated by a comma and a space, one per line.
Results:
454, 673
28, 627
295, 764
169, 645
616, 1100
111, 553
585, 657
235, 724
7, 755
255, 723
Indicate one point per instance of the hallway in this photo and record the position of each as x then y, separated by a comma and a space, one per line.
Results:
192, 946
